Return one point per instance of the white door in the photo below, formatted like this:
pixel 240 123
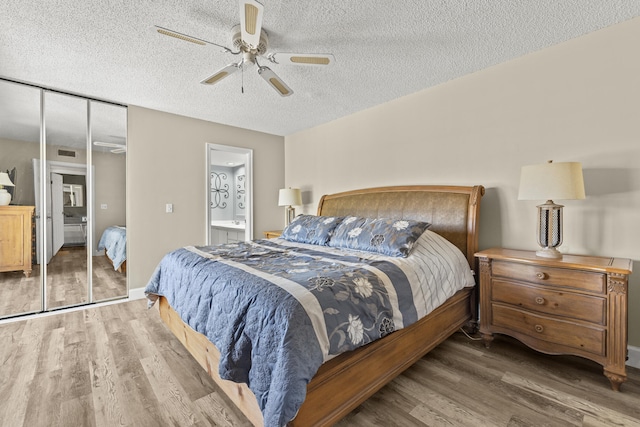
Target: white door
pixel 57 213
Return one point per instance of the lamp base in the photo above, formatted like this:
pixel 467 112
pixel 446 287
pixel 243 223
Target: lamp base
pixel 289 215
pixel 549 253
pixel 5 197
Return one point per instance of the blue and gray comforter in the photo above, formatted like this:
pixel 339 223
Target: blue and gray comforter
pixel 277 310
pixel 114 241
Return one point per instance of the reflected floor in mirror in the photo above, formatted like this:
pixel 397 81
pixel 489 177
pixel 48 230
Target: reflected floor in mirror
pixel 66 283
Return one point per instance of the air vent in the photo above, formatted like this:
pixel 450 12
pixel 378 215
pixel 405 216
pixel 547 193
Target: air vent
pixel 66 153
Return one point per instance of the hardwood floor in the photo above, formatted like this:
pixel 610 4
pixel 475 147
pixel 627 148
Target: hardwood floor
pixel 118 365
pixel 66 283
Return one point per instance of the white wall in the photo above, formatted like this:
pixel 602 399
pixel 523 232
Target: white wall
pixel 167 164
pixel 578 101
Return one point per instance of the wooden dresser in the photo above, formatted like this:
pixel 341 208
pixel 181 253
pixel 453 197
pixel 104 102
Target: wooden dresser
pixel 575 305
pixel 16 238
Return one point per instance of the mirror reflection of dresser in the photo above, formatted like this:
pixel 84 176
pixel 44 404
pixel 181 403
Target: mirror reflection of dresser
pixel 16 238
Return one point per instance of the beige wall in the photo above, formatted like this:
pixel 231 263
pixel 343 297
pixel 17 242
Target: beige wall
pixel 578 101
pixel 110 177
pixel 167 164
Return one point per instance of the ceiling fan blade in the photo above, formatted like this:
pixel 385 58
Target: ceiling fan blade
pixel 303 58
pixel 187 38
pixel 274 81
pixel 251 22
pixel 221 74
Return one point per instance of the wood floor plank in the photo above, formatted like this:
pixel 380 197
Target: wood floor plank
pixel 593 409
pixel 104 380
pixel 18 390
pixel 217 411
pixel 78 412
pixel 486 394
pixel 44 411
pixel 169 392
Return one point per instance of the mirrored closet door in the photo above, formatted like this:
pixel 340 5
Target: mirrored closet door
pixel 66 157
pixel 21 289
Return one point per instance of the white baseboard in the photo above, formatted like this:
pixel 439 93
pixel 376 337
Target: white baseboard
pixel 136 293
pixel 634 356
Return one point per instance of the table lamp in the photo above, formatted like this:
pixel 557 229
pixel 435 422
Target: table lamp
pixel 289 197
pixel 560 181
pixel 5 196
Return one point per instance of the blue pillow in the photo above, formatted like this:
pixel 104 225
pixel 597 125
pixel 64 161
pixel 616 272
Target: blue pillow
pixel 394 237
pixel 312 229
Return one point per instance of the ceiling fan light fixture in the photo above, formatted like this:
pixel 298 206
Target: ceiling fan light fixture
pixel 274 81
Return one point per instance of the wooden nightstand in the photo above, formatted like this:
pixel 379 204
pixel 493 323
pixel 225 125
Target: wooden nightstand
pixel 272 234
pixel 576 305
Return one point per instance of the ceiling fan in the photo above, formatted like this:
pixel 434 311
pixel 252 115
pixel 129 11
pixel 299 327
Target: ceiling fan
pixel 115 148
pixel 251 41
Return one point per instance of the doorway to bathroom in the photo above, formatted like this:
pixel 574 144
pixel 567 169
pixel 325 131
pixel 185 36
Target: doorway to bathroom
pixel 229 194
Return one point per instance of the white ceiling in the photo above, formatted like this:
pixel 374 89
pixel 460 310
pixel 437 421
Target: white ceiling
pixel 107 49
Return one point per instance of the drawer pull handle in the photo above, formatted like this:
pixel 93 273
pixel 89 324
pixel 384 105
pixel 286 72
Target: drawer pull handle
pixel 539 300
pixel 541 276
pixel 538 328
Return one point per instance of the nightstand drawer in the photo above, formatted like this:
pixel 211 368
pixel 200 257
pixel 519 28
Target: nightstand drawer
pixel 569 334
pixel 540 274
pixel 576 306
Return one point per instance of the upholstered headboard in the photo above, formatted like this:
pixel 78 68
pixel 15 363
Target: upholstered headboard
pixel 452 211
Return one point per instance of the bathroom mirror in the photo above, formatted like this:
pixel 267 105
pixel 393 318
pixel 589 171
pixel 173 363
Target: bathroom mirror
pixel 73 195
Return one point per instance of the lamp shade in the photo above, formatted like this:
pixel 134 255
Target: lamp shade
pixel 289 197
pixel 4 180
pixel 552 181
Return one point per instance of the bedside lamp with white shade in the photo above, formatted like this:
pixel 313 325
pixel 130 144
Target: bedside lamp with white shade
pixel 5 196
pixel 289 197
pixel 559 181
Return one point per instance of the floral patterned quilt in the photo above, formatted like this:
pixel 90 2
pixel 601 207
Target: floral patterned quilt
pixel 277 310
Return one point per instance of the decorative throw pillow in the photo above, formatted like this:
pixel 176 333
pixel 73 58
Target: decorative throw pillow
pixel 394 237
pixel 312 229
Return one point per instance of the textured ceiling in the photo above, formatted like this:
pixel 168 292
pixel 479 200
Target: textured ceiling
pixel 108 49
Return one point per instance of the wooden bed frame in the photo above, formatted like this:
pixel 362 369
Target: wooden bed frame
pixel 344 382
pixel 123 266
